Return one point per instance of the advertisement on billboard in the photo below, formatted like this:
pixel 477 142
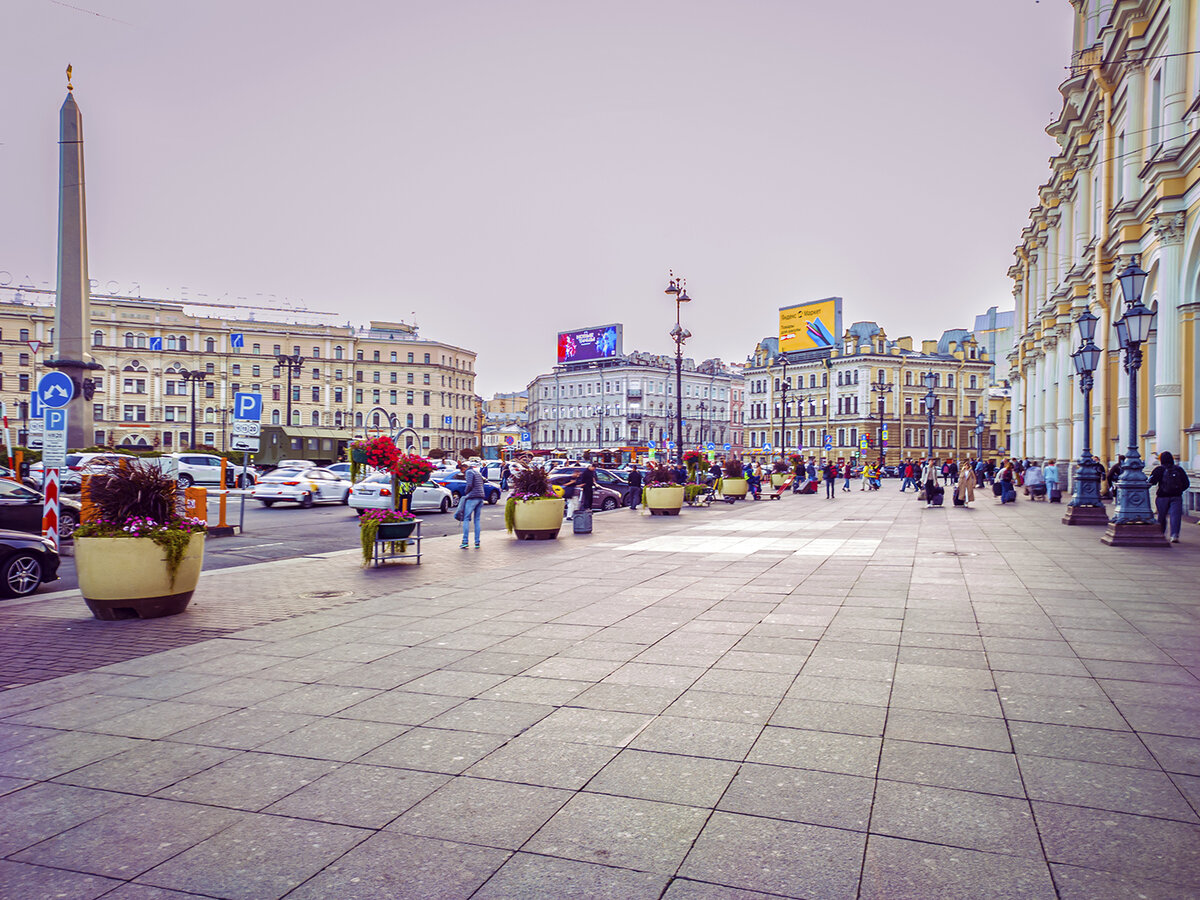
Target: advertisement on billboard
pixel 810 326
pixel 585 345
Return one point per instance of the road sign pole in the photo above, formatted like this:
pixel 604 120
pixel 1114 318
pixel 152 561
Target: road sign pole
pixel 242 511
pixel 50 505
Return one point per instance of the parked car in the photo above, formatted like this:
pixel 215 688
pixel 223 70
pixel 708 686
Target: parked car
pixel 295 464
pixel 27 561
pixel 306 486
pixel 375 492
pixel 607 478
pixel 21 510
pixel 70 477
pixel 205 468
pixel 457 485
pixel 603 497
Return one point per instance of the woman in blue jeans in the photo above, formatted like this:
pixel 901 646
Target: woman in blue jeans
pixel 472 503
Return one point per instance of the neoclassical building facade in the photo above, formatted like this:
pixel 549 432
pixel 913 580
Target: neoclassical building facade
pixel 1125 183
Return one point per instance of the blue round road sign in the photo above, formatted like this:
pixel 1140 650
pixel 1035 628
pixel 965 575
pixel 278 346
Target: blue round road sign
pixel 55 390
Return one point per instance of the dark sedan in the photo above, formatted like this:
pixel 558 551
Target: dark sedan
pixel 21 510
pixel 603 497
pixel 605 478
pixel 27 561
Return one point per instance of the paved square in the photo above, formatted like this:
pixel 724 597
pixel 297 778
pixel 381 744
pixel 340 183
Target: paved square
pixel 858 698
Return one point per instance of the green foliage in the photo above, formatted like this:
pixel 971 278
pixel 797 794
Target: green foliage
pixel 658 473
pixel 692 491
pixel 510 513
pixel 531 482
pixel 134 490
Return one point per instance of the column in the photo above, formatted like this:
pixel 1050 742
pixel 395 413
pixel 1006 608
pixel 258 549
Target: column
pixel 1016 441
pixel 1168 429
pixel 1120 427
pixel 1135 129
pixel 1066 240
pixel 1083 211
pixel 1050 416
pixel 1175 96
pixel 1053 264
pixel 1065 447
pixel 1034 409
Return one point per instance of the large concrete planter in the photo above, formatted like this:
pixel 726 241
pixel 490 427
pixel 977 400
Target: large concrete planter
pixel 664 501
pixel 778 478
pixel 537 520
pixel 735 487
pixel 124 578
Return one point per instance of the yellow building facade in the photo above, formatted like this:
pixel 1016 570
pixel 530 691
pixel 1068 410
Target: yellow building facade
pixel 352 380
pixel 1125 183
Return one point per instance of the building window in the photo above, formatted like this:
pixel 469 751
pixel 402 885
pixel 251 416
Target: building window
pixel 24 334
pixel 337 352
pixel 426 359
pixel 97 338
pixel 23 382
pixel 316 395
pixel 426 397
pixel 256 349
pixel 316 354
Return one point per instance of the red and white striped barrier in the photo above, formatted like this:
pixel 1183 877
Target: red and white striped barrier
pixel 50 506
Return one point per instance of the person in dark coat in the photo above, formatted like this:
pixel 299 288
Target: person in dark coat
pixel 1172 483
pixel 635 487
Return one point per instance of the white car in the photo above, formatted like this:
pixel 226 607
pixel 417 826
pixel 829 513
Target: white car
pixel 376 493
pixel 205 468
pixel 306 486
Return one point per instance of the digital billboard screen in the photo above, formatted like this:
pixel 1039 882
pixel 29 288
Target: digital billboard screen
pixel 587 344
pixel 810 326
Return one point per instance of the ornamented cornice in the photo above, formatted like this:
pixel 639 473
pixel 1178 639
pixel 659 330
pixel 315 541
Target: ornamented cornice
pixel 1169 227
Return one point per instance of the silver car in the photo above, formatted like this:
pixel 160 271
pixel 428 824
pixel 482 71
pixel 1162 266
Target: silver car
pixel 376 493
pixel 307 487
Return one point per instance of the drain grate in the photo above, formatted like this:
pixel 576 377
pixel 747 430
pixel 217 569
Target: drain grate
pixel 953 553
pixel 325 595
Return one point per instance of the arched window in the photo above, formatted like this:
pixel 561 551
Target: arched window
pixel 316 417
pixel 134 366
pixel 274 417
pixel 129 340
pixel 210 345
pixel 358 420
pixel 409 420
pixel 295 417
pixel 974 382
pixel 171 343
pixel 908 379
pixel 812 380
pixel 337 420
pixel 337 352
pixel 182 342
pixel 97 338
pixel 425 420
pixel 210 415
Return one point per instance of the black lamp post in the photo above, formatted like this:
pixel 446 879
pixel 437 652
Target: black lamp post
pixel 224 412
pixel 783 389
pixel 1086 507
pixel 1133 523
pixel 980 427
pixel 930 404
pixel 193 377
pixel 292 363
pixel 679 334
pixel 882 388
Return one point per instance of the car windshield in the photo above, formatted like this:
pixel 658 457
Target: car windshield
pixel 284 473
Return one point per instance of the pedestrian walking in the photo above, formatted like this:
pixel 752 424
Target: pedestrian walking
pixel 965 492
pixel 1035 481
pixel 830 472
pixel 1008 478
pixel 1172 483
pixel 504 473
pixel 587 484
pixel 929 477
pixel 635 487
pixel 471 502
pixel 847 469
pixel 754 481
pixel 1050 473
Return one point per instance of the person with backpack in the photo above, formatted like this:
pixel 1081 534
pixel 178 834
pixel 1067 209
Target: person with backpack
pixel 830 473
pixel 471 502
pixel 1172 483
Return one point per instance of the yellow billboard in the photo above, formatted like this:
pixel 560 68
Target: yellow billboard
pixel 810 326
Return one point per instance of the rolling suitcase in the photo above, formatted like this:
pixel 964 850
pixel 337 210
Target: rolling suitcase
pixel 1056 496
pixel 938 496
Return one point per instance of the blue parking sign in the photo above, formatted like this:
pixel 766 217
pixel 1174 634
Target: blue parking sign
pixel 247 406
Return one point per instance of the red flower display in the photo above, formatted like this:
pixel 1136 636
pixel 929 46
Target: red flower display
pixel 412 469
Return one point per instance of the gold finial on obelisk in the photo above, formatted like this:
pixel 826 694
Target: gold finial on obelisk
pixel 70 87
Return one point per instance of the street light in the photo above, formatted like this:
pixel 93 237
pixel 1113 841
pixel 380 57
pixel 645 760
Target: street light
pixel 292 362
pixel 194 376
pixel 224 412
pixel 1086 507
pixel 783 389
pixel 1134 521
pixel 882 388
pixel 980 427
pixel 679 334
pixel 930 403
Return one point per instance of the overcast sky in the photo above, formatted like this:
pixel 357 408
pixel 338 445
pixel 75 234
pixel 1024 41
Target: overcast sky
pixel 501 170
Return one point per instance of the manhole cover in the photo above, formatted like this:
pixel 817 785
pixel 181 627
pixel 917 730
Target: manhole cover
pixel 325 595
pixel 953 553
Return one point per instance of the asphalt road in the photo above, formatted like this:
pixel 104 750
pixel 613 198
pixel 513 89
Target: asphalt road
pixel 286 531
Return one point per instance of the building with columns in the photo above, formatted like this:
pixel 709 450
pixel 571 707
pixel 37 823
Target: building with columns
pixel 351 379
pixel 629 401
pixel 798 401
pixel 1125 183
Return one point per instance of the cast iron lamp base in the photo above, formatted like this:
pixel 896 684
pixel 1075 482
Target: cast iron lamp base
pixel 1134 534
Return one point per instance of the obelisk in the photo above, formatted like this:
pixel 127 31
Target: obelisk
pixel 72 316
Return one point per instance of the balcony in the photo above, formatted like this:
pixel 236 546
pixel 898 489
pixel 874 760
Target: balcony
pixel 633 416
pixel 634 393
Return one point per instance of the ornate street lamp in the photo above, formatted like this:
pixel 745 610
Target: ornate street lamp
pixel 1086 507
pixel 980 428
pixel 783 389
pixel 679 334
pixel 193 377
pixel 292 362
pixel 930 402
pixel 1133 522
pixel 882 388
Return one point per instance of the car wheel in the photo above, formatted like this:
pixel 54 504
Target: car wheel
pixel 493 498
pixel 21 575
pixel 455 499
pixel 267 502
pixel 609 503
pixel 346 498
pixel 67 523
pixel 306 502
pixel 186 481
pixel 360 512
pixel 446 504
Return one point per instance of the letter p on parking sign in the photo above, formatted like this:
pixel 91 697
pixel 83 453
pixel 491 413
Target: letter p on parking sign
pixel 247 406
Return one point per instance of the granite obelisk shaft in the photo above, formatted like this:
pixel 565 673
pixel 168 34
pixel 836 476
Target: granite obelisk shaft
pixel 72 316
